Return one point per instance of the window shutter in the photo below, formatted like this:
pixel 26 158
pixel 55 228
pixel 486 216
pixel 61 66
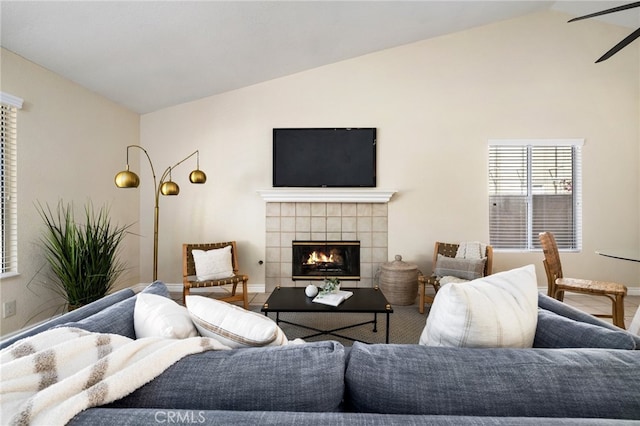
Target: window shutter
pixel 9 190
pixel 508 196
pixel 534 186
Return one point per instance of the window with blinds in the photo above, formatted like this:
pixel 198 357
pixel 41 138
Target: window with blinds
pixel 535 186
pixel 8 191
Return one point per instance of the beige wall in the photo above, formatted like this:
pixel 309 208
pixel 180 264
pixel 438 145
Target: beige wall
pixel 71 143
pixel 435 104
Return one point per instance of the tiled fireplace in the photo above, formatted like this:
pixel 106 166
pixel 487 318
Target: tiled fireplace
pixel 315 220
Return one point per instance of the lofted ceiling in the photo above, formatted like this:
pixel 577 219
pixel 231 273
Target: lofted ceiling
pixel 149 55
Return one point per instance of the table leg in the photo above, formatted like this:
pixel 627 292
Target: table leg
pixel 375 322
pixel 387 337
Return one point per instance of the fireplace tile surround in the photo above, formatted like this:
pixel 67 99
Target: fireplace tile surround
pixel 322 221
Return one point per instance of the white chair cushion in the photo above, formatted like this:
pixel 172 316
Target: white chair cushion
pixel 232 325
pixel 214 264
pixel 499 310
pixel 159 316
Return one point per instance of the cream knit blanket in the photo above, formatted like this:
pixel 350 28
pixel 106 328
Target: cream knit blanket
pixel 48 378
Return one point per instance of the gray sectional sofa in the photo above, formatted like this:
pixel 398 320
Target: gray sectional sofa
pixel 581 371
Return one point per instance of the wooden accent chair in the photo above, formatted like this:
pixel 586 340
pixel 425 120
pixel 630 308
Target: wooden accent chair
pixel 449 250
pixel 190 281
pixel 557 284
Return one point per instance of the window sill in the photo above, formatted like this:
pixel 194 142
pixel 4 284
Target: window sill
pixel 6 275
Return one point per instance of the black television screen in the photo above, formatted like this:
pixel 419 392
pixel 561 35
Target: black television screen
pixel 324 157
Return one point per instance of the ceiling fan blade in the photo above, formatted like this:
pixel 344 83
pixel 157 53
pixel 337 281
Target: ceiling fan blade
pixel 615 49
pixel 604 12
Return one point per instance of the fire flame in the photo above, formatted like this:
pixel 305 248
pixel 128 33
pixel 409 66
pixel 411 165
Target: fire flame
pixel 316 257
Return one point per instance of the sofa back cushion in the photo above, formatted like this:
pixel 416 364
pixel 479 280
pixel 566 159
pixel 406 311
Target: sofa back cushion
pixel 414 379
pixel 297 377
pixel 117 318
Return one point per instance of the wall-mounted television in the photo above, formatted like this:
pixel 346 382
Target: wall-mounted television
pixel 324 157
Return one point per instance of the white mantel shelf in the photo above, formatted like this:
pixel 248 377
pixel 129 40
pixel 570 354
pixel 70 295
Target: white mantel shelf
pixel 326 195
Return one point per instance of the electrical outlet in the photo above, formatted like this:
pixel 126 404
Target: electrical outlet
pixel 8 309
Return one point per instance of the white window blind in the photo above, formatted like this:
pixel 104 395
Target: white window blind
pixel 535 186
pixel 9 106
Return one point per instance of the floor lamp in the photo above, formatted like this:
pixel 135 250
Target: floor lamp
pixel 128 179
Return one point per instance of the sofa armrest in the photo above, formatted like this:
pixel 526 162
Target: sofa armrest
pixel 556 331
pixel 560 308
pixel 73 316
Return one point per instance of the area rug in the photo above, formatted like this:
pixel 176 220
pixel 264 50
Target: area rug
pixel 406 325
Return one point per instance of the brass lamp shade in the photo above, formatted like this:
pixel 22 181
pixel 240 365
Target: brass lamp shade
pixel 170 188
pixel 127 179
pixel 197 176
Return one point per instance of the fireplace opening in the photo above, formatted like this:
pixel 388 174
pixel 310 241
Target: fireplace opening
pixel 315 260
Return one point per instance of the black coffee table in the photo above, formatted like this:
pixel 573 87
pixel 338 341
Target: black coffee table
pixel 364 300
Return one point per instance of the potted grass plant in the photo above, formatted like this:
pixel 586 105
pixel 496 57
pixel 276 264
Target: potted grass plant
pixel 83 256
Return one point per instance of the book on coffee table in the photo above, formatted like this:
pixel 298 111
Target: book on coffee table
pixel 334 298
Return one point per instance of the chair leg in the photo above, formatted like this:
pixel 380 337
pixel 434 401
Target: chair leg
pixel 185 293
pixel 559 295
pixel 245 295
pixel 618 311
pixel 421 290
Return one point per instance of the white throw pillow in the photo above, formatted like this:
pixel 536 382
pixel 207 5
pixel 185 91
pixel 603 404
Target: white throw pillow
pixel 213 264
pixel 159 316
pixel 233 326
pixel 499 310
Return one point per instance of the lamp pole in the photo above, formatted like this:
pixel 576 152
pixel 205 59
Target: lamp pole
pixel 128 179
